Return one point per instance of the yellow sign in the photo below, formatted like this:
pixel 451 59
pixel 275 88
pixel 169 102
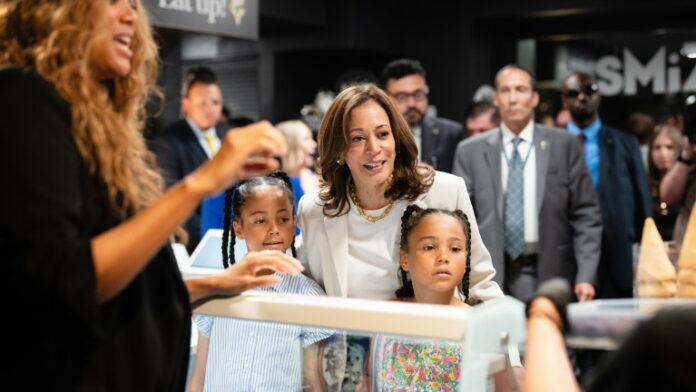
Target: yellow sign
pixel 237 10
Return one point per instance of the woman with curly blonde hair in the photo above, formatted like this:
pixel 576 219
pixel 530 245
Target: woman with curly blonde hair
pixel 92 286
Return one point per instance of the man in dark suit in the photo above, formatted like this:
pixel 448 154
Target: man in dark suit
pixel 189 142
pixel 615 166
pixel 532 195
pixel 436 137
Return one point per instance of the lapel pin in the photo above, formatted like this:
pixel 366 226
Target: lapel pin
pixel 543 144
pixel 436 131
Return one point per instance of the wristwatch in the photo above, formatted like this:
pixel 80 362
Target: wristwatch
pixel 687 162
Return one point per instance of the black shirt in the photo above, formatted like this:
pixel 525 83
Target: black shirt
pixel 59 337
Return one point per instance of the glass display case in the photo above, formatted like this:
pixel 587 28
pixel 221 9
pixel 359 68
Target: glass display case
pixel 603 324
pixel 362 345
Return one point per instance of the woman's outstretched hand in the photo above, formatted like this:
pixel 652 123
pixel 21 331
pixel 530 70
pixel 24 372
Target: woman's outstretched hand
pixel 244 152
pixel 249 273
pixel 244 275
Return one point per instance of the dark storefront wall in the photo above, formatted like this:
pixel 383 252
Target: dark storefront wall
pixel 615 41
pixel 306 45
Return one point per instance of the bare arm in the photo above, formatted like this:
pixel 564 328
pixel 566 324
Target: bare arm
pixel 546 360
pixel 673 184
pixel 242 276
pixel 122 252
pixel 198 376
pixel 310 357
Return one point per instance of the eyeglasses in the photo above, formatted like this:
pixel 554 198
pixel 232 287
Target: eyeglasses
pixel 589 91
pixel 418 95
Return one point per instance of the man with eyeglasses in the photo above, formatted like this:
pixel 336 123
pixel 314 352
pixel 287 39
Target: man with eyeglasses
pixel 614 162
pixel 436 137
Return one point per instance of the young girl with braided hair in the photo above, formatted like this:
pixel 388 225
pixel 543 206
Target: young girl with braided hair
pixel 441 237
pixel 435 259
pixel 260 211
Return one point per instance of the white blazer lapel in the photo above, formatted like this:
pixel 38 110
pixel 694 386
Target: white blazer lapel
pixel 336 266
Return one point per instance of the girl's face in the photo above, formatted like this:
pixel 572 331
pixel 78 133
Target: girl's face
pixel 115 29
pixel 267 221
pixel 436 254
pixel 662 152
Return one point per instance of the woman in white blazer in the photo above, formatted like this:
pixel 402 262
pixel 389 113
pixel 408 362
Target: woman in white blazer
pixel 370 172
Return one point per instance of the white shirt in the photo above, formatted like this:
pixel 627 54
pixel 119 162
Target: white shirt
pixel 417 131
pixel 201 134
pixel 373 265
pixel 526 146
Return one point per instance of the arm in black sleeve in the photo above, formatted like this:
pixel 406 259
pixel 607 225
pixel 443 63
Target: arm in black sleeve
pixel 639 179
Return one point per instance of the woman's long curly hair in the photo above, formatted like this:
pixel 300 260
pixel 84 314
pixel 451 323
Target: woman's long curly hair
pixel 56 39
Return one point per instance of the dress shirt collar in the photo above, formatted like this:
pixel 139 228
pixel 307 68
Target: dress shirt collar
pixel 527 134
pixel 417 129
pixel 200 133
pixel 591 132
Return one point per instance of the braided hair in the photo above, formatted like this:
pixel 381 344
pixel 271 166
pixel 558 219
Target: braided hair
pixel 411 218
pixel 235 199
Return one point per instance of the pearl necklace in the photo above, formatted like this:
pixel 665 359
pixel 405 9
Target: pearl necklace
pixel 361 210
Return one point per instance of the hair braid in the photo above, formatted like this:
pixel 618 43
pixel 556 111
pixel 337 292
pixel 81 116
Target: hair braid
pixel 407 222
pixel 467 273
pixel 226 228
pixel 233 241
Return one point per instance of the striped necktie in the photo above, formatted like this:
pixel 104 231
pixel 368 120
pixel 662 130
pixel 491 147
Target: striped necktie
pixel 514 204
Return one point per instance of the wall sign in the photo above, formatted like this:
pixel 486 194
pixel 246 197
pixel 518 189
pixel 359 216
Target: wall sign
pixel 661 72
pixel 665 70
pixel 233 18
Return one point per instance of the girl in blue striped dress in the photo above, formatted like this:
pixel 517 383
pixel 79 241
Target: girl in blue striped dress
pixel 240 355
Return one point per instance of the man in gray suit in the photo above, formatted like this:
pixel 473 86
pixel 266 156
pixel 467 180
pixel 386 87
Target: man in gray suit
pixel 537 209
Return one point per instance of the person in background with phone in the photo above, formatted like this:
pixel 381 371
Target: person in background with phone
pixel 678 186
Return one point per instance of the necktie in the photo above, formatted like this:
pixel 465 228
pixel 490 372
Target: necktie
pixel 581 137
pixel 514 204
pixel 211 142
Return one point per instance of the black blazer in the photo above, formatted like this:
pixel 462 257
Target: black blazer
pixel 178 154
pixel 625 203
pixel 439 139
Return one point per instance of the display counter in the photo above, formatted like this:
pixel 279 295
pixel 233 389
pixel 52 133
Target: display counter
pixel 374 345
